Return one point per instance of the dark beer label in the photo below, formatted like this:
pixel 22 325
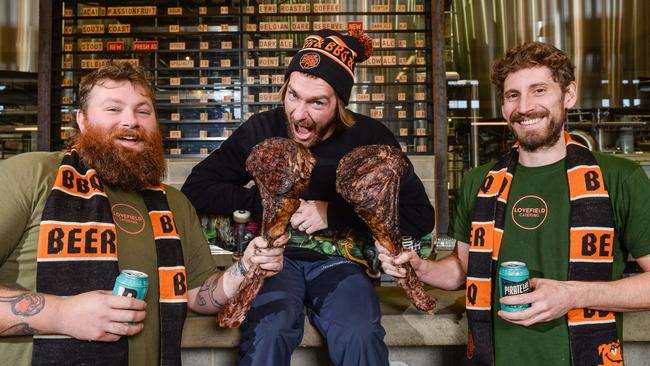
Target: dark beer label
pixel 515 288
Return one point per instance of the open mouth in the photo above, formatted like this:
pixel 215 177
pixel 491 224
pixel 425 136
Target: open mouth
pixel 128 140
pixel 529 122
pixel 302 132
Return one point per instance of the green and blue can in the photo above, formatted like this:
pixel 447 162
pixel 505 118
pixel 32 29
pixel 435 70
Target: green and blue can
pixel 513 280
pixel 131 283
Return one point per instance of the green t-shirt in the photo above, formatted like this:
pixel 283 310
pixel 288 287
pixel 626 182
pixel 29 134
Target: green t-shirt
pixel 25 183
pixel 536 232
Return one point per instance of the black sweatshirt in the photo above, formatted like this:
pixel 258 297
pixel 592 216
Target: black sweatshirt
pixel 216 184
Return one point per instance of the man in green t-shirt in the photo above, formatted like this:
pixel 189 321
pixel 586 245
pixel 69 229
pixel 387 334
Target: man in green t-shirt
pixel 571 215
pixel 66 215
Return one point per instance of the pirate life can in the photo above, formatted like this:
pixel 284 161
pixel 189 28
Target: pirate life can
pixel 131 283
pixel 513 280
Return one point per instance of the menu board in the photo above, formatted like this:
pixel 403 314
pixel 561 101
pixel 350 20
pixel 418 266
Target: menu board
pixel 215 65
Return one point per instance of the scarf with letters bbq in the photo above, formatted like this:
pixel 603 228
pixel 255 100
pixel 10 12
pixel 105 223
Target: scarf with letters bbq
pixel 77 252
pixel 591 240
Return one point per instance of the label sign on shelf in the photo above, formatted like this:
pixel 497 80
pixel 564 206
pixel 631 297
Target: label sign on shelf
pixel 115 46
pixel 327 8
pixel 175 11
pixel 119 28
pixel 144 45
pixel 176 45
pixel 181 63
pixel 91 46
pixel 355 26
pixel 95 63
pixel 363 97
pixel 92 29
pixel 268 8
pixel 377 113
pixel 88 12
pixel 295 8
pixel 379 8
pixel 124 11
pixel 378 97
pixel 286 43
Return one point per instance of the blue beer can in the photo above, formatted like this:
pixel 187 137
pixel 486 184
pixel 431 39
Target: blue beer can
pixel 131 283
pixel 513 280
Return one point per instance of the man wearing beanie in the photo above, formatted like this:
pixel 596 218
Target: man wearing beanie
pixel 331 283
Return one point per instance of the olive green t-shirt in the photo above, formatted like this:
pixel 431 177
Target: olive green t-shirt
pixel 25 183
pixel 536 232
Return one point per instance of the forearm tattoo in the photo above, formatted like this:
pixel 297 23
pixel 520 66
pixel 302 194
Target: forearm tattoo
pixel 233 270
pixel 208 293
pixel 23 305
pixel 237 269
pixel 242 268
pixel 26 304
pixel 19 329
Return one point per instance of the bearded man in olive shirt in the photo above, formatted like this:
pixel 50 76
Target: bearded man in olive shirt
pixel 66 216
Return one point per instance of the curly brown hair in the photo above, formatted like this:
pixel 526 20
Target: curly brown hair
pixel 533 54
pixel 116 71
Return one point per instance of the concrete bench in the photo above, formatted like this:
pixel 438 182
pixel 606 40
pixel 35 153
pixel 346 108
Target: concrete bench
pixel 413 338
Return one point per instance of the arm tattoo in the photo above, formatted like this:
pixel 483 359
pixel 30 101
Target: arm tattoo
pixel 237 269
pixel 19 329
pixel 234 270
pixel 242 268
pixel 26 304
pixel 208 290
pixel 23 305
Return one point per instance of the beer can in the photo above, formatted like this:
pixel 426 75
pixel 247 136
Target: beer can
pixel 131 283
pixel 513 280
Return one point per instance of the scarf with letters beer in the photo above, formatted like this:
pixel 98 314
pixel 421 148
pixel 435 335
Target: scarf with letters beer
pixel 77 252
pixel 591 241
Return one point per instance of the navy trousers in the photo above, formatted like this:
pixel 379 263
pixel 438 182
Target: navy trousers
pixel 341 303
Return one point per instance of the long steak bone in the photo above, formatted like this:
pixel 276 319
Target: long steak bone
pixel 368 177
pixel 281 169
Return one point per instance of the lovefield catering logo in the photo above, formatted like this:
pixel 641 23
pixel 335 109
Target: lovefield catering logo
pixel 529 212
pixel 128 218
pixel 309 60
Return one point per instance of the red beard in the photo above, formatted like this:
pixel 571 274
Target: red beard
pixel 121 167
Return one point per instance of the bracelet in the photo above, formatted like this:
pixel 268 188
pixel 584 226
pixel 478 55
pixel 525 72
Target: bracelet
pixel 242 268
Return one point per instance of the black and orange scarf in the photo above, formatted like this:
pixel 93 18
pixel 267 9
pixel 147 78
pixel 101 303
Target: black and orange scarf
pixel 78 252
pixel 591 255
